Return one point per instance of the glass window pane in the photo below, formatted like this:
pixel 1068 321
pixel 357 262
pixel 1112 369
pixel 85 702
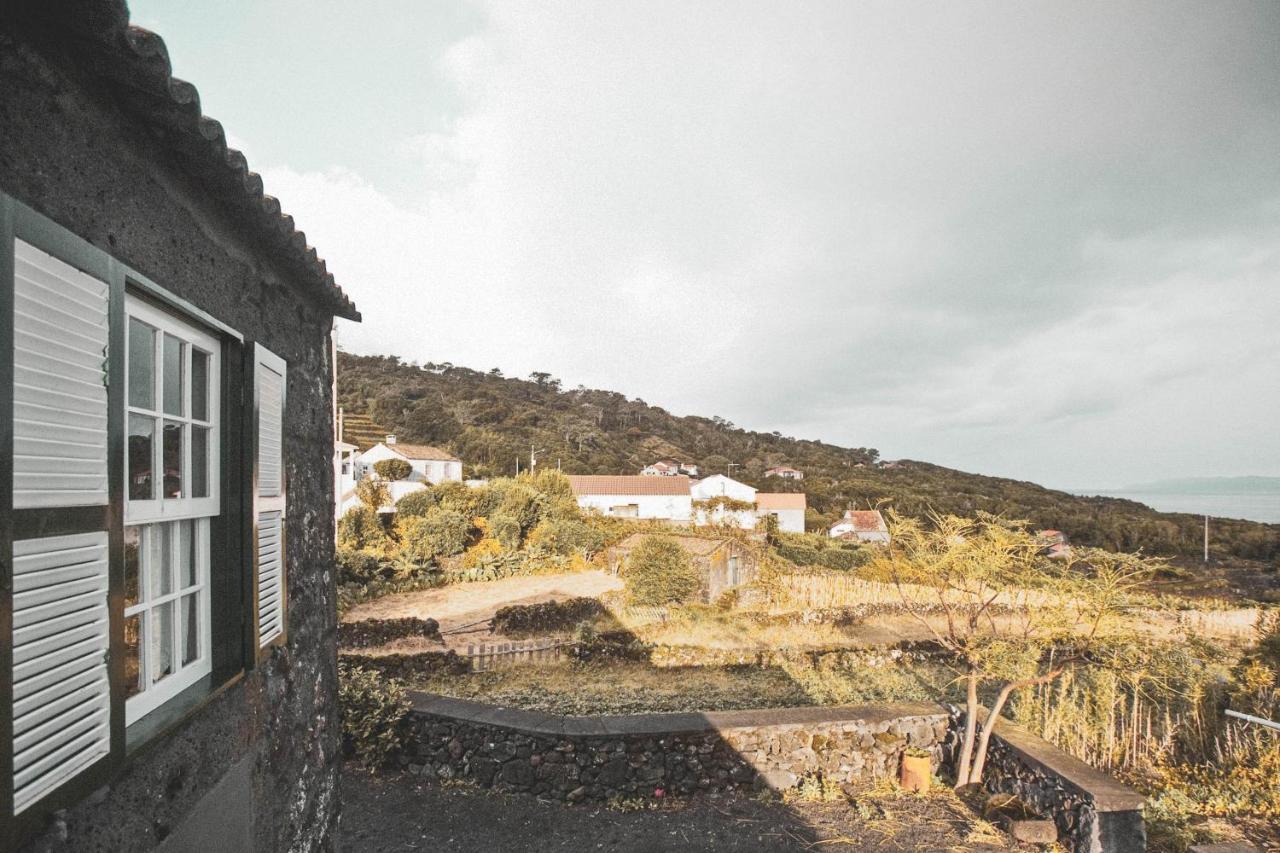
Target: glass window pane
pixel 172 375
pixel 187 553
pixel 199 462
pixel 162 641
pixel 172 459
pixel 142 368
pixel 199 385
pixel 134 683
pixel 160 564
pixel 190 628
pixel 141 443
pixel 132 565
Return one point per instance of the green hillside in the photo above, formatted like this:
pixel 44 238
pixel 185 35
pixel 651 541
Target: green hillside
pixel 489 420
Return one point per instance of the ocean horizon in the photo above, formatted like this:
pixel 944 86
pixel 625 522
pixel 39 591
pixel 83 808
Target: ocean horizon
pixel 1250 507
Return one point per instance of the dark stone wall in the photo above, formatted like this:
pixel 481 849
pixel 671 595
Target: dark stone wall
pixel 68 152
pixel 575 759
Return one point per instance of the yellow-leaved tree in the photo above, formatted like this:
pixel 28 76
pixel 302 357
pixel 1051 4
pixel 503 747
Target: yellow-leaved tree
pixel 988 594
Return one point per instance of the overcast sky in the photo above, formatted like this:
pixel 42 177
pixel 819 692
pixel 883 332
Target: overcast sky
pixel 1040 240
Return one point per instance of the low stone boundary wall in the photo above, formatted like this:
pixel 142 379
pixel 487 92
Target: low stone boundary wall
pixel 408 665
pixel 1093 812
pixel 376 632
pixel 599 758
pixel 871 656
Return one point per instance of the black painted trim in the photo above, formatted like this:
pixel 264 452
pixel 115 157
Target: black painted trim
pixel 8 830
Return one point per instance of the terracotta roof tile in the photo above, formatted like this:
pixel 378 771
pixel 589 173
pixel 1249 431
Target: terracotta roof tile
pixel 622 484
pixel 422 452
pixel 134 64
pixel 780 500
pixel 866 520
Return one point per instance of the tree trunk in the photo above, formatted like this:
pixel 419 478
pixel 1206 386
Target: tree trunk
pixel 970 729
pixel 993 716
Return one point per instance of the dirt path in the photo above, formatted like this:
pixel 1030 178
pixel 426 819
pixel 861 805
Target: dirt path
pixel 401 813
pixel 459 604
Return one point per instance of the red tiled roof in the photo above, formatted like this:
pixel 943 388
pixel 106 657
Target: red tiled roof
pixel 780 500
pixel 622 484
pixel 866 520
pixel 422 452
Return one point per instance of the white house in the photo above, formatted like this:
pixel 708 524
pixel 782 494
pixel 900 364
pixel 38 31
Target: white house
pixel 346 462
pixel 637 496
pixel 786 472
pixel 661 468
pixel 720 486
pixel 787 508
pixel 863 525
pixel 429 464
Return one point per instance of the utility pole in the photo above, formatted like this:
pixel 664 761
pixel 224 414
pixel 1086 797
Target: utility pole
pixel 1206 540
pixel 533 458
pixel 728 469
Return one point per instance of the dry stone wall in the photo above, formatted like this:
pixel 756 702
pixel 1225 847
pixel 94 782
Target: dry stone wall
pixel 601 758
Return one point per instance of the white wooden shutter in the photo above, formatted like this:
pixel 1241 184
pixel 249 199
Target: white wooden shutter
pixel 59 383
pixel 61 691
pixel 270 378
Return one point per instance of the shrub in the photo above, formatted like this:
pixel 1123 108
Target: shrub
pixel 506 529
pixel 373 710
pixel 566 535
pixel 356 566
pixel 438 533
pixel 658 572
pixel 374 494
pixel 416 504
pixel 393 469
pixel 378 632
pixel 547 616
pixel 831 558
pixel 361 529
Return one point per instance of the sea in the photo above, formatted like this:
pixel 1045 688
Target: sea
pixel 1253 507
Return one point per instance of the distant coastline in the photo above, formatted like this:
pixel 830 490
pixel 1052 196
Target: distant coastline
pixel 1250 498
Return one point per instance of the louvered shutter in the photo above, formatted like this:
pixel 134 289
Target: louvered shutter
pixel 61 690
pixel 59 678
pixel 59 383
pixel 270 375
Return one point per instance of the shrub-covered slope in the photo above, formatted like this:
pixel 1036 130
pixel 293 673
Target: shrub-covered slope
pixel 489 420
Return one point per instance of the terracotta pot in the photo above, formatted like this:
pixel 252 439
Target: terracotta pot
pixel 916 773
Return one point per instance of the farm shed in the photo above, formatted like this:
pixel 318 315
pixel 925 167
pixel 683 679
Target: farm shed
pixel 168 675
pixel 721 563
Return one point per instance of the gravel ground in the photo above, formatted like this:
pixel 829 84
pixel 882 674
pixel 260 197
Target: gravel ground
pixel 390 814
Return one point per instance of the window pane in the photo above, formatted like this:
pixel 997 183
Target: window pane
pixel 134 683
pixel 172 375
pixel 186 553
pixel 199 385
pixel 199 462
pixel 142 368
pixel 190 628
pixel 162 641
pixel 172 459
pixel 132 565
pixel 141 442
pixel 160 565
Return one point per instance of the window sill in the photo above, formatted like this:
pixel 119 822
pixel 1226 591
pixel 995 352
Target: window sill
pixel 172 714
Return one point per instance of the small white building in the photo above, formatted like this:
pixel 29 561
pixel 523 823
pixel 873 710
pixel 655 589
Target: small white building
pixel 862 525
pixel 429 464
pixel 720 486
pixel 788 508
pixel 786 472
pixel 346 461
pixel 637 496
pixel 661 468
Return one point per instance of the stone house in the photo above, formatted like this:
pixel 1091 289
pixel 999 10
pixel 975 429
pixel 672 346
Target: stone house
pixel 167 675
pixel 721 563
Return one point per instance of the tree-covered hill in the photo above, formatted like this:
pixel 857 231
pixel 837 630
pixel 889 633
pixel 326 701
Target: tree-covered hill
pixel 489 421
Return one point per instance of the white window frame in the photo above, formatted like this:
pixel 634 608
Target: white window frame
pixel 162 508
pixel 151 515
